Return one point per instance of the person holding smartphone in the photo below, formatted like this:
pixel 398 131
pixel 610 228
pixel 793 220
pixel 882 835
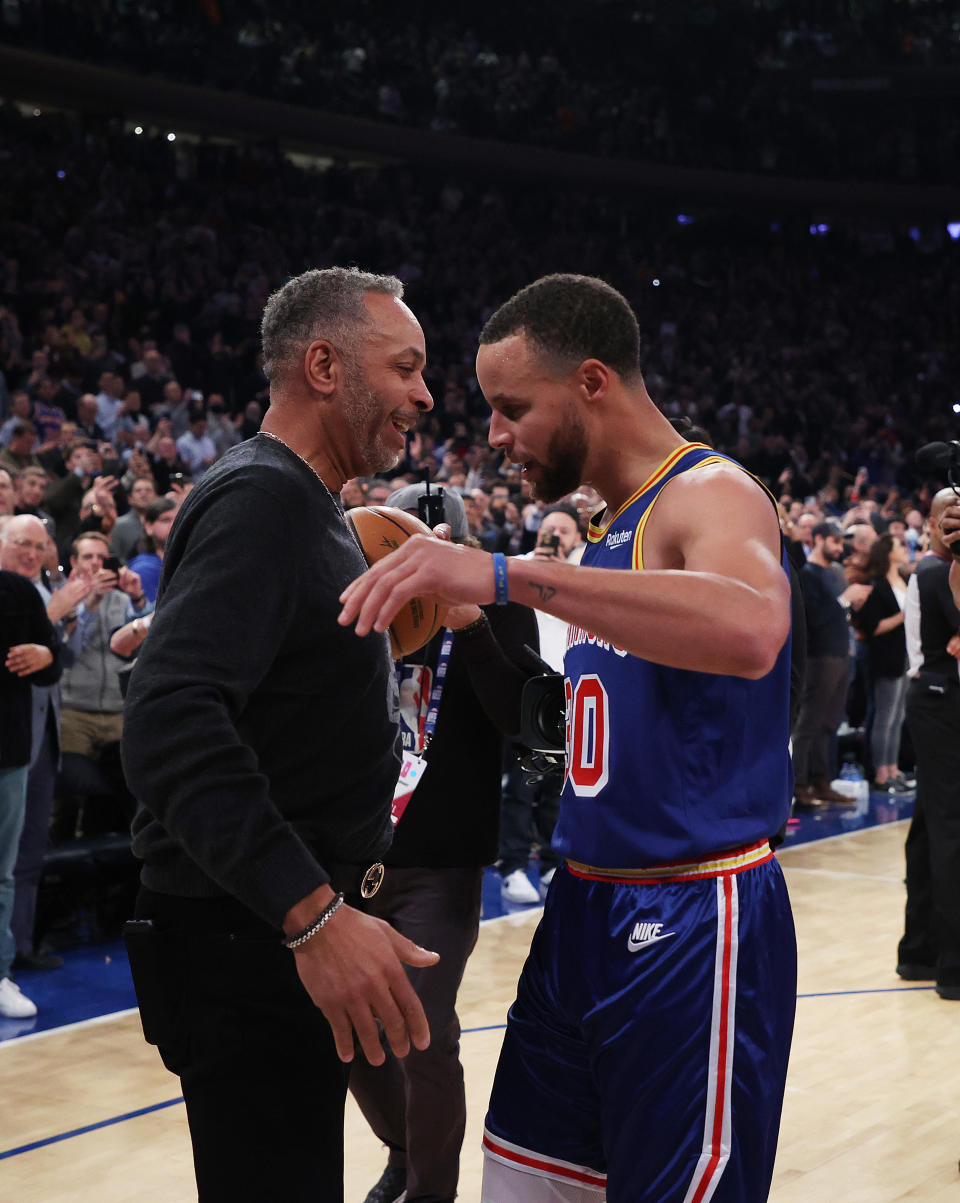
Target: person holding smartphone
pixel 92 713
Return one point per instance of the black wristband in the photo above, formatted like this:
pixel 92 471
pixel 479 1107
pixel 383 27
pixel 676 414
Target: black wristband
pixel 475 627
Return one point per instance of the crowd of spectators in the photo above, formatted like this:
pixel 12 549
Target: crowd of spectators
pixel 136 271
pixel 711 85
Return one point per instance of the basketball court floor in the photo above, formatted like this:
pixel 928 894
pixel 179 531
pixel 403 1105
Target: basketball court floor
pixel 870 1116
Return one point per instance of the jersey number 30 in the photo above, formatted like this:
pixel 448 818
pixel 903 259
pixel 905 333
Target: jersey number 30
pixel 588 735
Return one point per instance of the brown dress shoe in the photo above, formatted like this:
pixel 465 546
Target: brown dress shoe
pixel 826 793
pixel 805 798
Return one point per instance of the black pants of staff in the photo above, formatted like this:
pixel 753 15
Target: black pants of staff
pixel 932 922
pixel 261 1079
pixel 417 1106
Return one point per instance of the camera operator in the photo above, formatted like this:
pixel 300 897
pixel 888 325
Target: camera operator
pixel 930 947
pixel 460 695
pixel 529 810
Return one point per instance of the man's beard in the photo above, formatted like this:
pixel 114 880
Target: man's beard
pixel 363 412
pixel 562 471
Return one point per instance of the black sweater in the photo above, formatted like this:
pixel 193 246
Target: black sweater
pixel 23 619
pixel 260 736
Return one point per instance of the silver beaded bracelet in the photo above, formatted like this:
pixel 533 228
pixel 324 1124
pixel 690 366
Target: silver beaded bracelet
pixel 324 917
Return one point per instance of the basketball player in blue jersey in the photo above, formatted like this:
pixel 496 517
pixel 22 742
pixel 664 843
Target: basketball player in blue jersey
pixel 646 1053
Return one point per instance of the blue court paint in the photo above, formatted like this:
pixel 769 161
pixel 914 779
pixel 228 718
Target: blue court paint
pixel 95 979
pixel 881 809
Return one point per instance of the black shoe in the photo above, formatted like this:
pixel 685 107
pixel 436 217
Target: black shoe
pixel 951 992
pixel 392 1184
pixel 37 960
pixel 916 973
pixel 902 785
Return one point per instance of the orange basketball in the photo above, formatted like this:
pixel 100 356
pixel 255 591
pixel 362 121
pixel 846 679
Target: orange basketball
pixel 380 529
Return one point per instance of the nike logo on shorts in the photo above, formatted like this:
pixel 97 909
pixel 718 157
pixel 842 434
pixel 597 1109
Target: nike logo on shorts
pixel 644 934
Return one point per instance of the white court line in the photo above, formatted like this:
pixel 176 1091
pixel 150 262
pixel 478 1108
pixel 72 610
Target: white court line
pixel 18 1041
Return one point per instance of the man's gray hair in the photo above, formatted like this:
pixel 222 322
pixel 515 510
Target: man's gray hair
pixel 322 303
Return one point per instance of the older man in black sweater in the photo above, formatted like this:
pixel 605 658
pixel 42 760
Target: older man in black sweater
pixel 261 742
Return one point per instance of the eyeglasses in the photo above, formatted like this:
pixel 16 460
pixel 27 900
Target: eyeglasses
pixel 25 543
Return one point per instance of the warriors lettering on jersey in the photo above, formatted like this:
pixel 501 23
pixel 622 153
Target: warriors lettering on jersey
pixel 577 635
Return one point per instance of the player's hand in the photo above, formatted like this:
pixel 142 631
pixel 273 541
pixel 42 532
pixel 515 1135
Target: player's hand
pixel 26 658
pixel 421 567
pixel 353 970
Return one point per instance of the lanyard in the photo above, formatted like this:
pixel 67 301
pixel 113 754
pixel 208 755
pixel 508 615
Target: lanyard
pixel 436 692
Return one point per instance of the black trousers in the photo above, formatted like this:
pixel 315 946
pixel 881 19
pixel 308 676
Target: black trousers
pixel 417 1106
pixel 527 813
pixel 263 1085
pixel 932 920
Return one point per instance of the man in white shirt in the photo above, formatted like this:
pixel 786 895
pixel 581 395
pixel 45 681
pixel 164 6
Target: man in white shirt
pixel 197 449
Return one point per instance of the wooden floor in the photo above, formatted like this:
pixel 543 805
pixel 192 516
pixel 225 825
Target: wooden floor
pixel 871 1113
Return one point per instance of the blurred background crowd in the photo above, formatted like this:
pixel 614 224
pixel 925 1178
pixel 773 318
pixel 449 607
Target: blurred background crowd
pixel 818 348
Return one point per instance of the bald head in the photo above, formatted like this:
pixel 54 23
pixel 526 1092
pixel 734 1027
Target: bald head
pixel 23 546
pixel 863 534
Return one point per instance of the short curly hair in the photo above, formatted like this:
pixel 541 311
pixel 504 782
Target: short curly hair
pixel 321 303
pixel 571 318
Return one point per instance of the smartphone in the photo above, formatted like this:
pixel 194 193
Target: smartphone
pixel 551 543
pixel 112 564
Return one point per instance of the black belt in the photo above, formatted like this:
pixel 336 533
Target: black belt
pixel 934 682
pixel 357 878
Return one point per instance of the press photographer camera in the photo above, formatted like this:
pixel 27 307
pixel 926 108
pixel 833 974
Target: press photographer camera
pixel 543 720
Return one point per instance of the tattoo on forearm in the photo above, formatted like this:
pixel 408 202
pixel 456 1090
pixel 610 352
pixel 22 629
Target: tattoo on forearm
pixel 545 591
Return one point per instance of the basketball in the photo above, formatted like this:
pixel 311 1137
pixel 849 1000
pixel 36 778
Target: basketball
pixel 380 529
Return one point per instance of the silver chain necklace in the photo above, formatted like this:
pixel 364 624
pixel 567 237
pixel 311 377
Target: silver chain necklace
pixel 267 434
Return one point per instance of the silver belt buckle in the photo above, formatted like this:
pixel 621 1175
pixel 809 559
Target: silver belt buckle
pixel 372 880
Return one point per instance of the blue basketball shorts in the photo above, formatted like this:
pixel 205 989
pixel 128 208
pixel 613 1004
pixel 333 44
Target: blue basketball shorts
pixel 646 1054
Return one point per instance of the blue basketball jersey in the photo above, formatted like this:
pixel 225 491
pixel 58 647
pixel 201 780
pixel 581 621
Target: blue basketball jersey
pixel 666 764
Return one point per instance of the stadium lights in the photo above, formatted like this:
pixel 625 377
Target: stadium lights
pixel 655 282
pixel 171 137
pixel 138 129
pixel 956 407
pixel 684 219
pixel 820 228
pixel 61 174
pixel 953 229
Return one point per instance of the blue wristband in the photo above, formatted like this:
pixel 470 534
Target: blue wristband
pixel 500 578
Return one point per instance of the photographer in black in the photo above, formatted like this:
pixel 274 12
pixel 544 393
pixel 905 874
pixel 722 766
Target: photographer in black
pixel 459 697
pixel 930 947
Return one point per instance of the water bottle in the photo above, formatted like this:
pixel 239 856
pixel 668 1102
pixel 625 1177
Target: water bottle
pixel 846 783
pixel 861 787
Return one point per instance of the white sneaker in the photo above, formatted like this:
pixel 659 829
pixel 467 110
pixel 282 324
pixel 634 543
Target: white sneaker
pixel 14 1004
pixel 545 879
pixel 517 887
